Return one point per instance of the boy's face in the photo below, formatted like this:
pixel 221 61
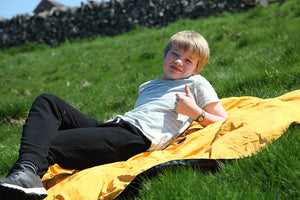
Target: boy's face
pixel 179 64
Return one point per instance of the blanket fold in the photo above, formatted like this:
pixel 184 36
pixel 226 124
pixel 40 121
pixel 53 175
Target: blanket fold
pixel 251 124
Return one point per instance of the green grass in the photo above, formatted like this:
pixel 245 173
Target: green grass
pixel 252 54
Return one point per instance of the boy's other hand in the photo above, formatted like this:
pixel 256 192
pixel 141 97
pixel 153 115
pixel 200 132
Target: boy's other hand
pixel 186 105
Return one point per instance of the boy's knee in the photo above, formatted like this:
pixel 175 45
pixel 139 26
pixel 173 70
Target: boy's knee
pixel 45 97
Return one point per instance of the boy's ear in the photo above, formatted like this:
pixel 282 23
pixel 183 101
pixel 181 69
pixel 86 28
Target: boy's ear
pixel 196 71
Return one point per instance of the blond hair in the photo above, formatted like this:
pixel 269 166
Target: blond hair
pixel 190 41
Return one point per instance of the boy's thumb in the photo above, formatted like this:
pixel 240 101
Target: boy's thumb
pixel 187 90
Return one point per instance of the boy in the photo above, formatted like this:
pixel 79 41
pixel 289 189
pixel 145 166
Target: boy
pixel 55 132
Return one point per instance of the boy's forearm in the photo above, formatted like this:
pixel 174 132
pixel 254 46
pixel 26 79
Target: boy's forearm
pixel 214 112
pixel 210 119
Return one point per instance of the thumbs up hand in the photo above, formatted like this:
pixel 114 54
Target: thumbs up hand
pixel 186 105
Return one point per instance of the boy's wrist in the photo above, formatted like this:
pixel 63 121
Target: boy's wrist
pixel 201 117
pixel 197 112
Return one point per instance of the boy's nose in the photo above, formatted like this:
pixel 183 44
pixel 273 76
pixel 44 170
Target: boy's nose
pixel 178 62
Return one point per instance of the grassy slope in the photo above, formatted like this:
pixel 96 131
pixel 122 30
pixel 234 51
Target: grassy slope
pixel 254 53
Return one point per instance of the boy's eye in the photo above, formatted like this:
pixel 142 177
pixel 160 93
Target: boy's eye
pixel 189 61
pixel 174 53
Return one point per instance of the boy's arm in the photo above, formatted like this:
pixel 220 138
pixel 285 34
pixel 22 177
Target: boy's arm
pixel 186 105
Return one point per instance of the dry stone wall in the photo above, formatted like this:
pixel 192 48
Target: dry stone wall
pixel 108 19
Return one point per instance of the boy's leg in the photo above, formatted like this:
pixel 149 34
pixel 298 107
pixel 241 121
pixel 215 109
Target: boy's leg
pixel 88 147
pixel 47 116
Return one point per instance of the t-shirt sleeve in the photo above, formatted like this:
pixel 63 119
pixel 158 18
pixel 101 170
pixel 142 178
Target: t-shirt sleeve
pixel 204 92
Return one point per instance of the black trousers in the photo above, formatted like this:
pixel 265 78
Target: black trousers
pixel 55 132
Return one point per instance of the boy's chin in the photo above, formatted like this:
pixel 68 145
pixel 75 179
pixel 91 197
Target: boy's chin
pixel 175 77
pixel 171 75
pixel 167 77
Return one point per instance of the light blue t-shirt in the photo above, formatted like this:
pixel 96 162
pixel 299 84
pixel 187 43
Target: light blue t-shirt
pixel 154 112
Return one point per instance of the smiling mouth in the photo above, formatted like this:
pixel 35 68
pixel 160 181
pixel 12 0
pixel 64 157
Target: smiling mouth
pixel 175 69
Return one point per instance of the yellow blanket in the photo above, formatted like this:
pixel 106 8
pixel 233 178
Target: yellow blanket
pixel 252 123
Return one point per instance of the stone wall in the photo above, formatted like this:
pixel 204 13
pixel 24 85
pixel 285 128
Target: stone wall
pixel 108 19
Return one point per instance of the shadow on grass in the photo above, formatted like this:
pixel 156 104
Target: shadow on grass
pixel 208 165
